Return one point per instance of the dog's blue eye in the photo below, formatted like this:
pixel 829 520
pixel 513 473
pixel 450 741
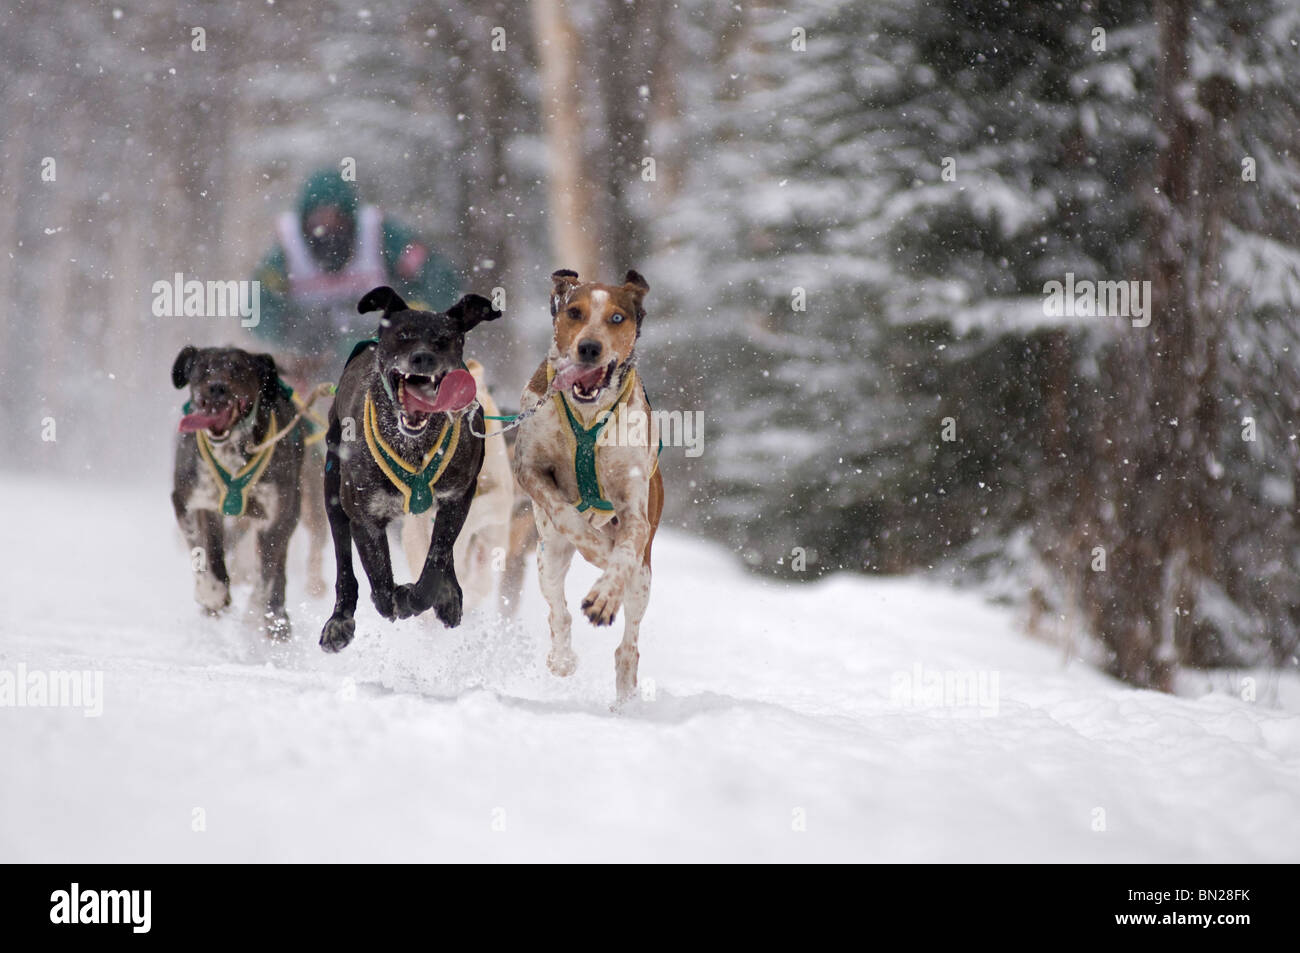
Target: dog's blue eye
pixel 616 318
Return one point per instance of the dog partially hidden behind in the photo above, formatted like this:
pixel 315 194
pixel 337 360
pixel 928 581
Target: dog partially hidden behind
pixel 400 443
pixel 480 549
pixel 231 469
pixel 591 494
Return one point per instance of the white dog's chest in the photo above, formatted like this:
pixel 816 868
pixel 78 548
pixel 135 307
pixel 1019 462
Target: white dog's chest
pixel 550 446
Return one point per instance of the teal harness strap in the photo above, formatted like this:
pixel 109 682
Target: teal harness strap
pixel 419 483
pixel 358 348
pixel 415 481
pixel 584 452
pixel 235 486
pixel 233 503
pixel 584 462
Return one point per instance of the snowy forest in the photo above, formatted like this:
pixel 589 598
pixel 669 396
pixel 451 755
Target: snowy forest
pixel 849 215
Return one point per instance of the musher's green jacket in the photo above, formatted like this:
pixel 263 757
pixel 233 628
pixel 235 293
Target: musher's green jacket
pixel 298 319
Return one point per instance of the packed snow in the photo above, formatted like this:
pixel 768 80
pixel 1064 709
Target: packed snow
pixel 778 723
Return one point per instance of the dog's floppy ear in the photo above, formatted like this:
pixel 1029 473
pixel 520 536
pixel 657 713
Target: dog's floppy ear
pixel 269 377
pixel 637 287
pixel 181 367
pixel 472 309
pixel 562 282
pixel 382 298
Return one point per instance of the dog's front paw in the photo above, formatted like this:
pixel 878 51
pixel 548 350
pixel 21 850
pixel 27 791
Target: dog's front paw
pixel 383 603
pixel 601 604
pixel 448 601
pixel 407 601
pixel 338 632
pixel 562 662
pixel 211 593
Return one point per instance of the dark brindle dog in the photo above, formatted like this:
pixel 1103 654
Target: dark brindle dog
pixel 400 442
pixel 226 466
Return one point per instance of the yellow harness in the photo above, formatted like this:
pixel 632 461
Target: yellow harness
pixel 235 499
pixel 415 483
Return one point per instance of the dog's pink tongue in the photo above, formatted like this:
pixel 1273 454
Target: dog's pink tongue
pixel 588 377
pixel 201 421
pixel 456 391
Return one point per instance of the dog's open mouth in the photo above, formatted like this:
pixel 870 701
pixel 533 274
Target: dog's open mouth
pixel 420 397
pixel 584 384
pixel 217 421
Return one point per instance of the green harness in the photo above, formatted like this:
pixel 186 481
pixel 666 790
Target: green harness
pixel 235 486
pixel 234 499
pixel 414 482
pixel 590 494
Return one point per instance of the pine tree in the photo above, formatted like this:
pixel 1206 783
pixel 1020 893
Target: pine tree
pixel 919 171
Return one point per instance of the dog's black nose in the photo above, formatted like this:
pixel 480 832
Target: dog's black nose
pixel 589 351
pixel 216 389
pixel 422 362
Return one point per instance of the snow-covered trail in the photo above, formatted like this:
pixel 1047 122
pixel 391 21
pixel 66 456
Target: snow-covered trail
pixel 775 708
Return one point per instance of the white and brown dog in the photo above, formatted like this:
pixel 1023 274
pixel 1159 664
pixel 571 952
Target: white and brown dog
pixel 588 456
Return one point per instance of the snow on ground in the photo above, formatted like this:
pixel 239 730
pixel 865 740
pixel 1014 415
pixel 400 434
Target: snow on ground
pixel 779 728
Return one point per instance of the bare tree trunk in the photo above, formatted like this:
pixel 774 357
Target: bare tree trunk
pixel 20 179
pixel 575 237
pixel 626 137
pixel 666 110
pixel 1155 500
pixel 60 322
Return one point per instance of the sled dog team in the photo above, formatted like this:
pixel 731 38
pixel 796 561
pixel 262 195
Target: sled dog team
pixel 408 441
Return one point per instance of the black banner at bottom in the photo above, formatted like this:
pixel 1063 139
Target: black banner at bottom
pixel 143 903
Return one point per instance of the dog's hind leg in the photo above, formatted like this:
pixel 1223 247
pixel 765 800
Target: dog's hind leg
pixel 315 519
pixel 341 626
pixel 239 547
pixel 554 554
pixel 474 558
pixel 522 541
pixel 416 533
pixel 273 555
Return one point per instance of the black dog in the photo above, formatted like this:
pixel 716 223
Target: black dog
pixel 236 404
pixel 399 442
